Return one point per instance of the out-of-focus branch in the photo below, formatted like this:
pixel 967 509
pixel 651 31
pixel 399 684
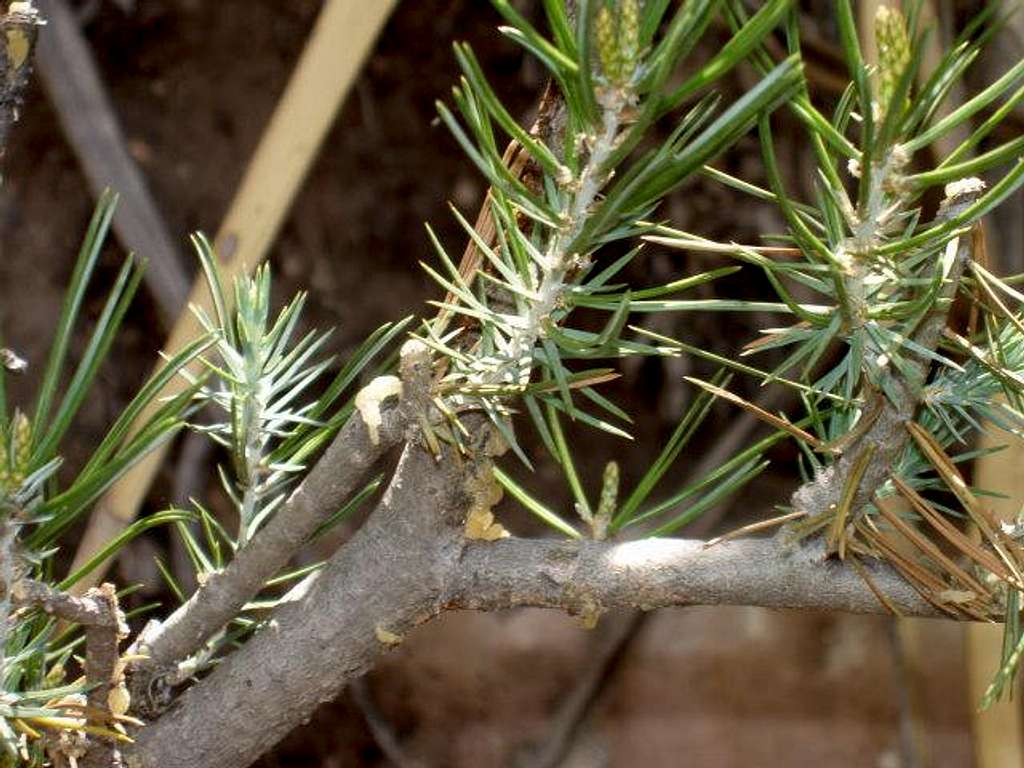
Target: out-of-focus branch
pixel 19 28
pixel 88 118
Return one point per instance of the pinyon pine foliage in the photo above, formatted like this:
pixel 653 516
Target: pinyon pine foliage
pixel 532 315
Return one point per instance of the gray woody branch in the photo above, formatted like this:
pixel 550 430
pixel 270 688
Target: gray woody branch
pixel 410 562
pixel 887 434
pixel 352 453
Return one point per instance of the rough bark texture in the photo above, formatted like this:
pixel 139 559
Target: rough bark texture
pixel 86 610
pixel 410 562
pixel 102 654
pixel 321 493
pixel 887 435
pixel 655 573
pixel 389 578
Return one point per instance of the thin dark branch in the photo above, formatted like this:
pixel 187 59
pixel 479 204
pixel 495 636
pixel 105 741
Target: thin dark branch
pixel 616 635
pixel 87 610
pixel 75 86
pixel 102 657
pixel 382 731
pixel 19 30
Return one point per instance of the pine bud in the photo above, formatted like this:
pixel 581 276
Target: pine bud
pixel 22 429
pixel 893 52
pixel 607 41
pixel 15 453
pixel 617 37
pixel 629 38
pixel 609 501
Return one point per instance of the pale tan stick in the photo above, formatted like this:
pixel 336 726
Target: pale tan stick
pixel 344 34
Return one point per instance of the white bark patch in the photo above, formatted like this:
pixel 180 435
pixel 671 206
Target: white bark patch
pixel 369 399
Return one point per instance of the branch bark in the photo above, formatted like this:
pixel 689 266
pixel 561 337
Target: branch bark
pixel 347 460
pixel 410 562
pixel 390 577
pixel 656 573
pixel 105 627
pixel 87 611
pixel 887 434
pixel 102 658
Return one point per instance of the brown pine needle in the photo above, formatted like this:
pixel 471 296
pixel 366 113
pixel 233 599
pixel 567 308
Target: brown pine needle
pixel 694 243
pixel 836 539
pixel 866 577
pixel 955 482
pixel 950 532
pixel 776 421
pixel 753 528
pixel 923 582
pixel 928 547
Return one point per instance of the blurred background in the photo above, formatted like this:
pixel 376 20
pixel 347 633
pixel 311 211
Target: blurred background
pixel 192 86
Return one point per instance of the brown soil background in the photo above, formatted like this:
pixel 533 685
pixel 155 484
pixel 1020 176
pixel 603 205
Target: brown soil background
pixel 194 83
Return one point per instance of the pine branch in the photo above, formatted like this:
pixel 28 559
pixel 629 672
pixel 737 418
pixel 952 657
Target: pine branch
pixel 887 436
pixel 224 593
pixel 410 562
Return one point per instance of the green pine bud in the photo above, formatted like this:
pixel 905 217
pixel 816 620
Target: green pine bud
pixel 629 38
pixel 22 429
pixel 893 43
pixel 609 501
pixel 606 38
pixel 617 38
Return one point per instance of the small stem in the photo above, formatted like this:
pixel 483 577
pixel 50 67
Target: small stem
pixel 7 575
pixel 888 433
pixel 558 260
pixel 253 409
pixel 18 33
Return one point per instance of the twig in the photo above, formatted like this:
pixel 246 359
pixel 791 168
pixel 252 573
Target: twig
pixel 355 449
pixel 105 627
pixel 88 611
pixel 102 658
pixel 616 637
pixel 75 87
pixel 380 728
pixel 887 435
pixel 224 593
pixel 18 33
